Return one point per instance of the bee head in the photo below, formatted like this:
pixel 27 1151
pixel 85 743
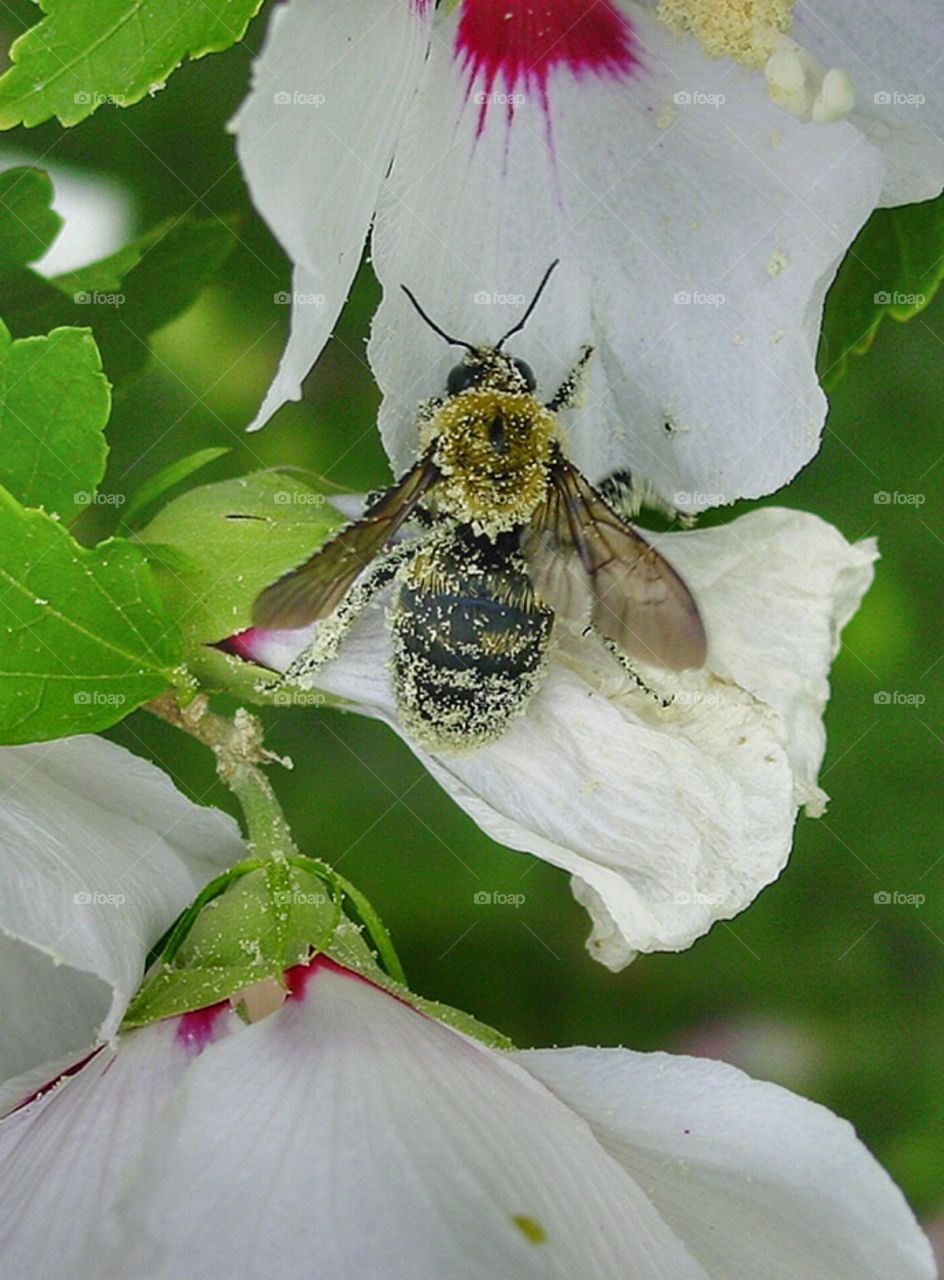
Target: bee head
pixel 487 367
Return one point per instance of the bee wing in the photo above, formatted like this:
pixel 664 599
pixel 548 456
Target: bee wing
pixel 317 587
pixel 638 600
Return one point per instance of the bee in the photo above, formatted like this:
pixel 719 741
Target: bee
pixel 493 497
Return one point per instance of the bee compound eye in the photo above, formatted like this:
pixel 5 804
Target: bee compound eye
pixel 461 377
pixel 527 373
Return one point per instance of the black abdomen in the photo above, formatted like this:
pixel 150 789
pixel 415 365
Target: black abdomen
pixel 469 640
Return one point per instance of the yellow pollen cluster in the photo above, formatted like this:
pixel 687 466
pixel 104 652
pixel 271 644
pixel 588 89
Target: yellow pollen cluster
pixel 745 30
pixel 493 449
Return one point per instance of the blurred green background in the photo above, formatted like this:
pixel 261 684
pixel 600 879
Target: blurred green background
pixel 817 986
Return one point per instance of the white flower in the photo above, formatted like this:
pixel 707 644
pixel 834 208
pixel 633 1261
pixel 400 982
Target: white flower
pixel 347 1134
pixel 98 852
pixel 698 210
pixel 669 818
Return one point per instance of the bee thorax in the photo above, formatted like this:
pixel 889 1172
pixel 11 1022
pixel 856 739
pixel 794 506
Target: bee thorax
pixel 492 449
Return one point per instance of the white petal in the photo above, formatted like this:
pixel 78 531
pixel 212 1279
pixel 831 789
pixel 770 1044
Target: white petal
pixel 755 1180
pixel 644 201
pixel 669 818
pixel 315 138
pixel 100 852
pixel 348 1135
pixel 66 1155
pixel 777 587
pixel 892 54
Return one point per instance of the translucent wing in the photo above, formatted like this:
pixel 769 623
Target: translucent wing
pixel 317 587
pixel 638 600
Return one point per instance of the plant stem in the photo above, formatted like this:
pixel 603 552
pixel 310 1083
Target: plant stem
pixel 237 745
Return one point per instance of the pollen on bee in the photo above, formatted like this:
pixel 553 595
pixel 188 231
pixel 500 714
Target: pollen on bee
pixel 492 449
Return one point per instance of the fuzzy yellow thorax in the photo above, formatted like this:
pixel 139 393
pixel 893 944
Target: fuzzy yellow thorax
pixel 493 449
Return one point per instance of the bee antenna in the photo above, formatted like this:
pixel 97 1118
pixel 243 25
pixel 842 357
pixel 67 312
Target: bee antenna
pixel 453 342
pixel 531 305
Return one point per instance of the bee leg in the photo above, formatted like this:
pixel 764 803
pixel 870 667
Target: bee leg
pixel 631 671
pixel 627 494
pixel 332 631
pixel 570 392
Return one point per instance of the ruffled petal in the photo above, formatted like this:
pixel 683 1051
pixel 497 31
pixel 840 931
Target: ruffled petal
pixel 349 1135
pixel 315 138
pixel 755 1180
pixel 100 852
pixel 670 817
pixel 892 55
pixel 697 225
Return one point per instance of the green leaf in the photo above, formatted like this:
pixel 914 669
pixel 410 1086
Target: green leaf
pixel 127 296
pixel 894 268
pixel 28 223
pixel 216 547
pixel 85 54
pixel 169 476
pixel 54 404
pixel 83 637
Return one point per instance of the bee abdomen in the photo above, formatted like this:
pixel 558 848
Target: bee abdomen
pixel 469 644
